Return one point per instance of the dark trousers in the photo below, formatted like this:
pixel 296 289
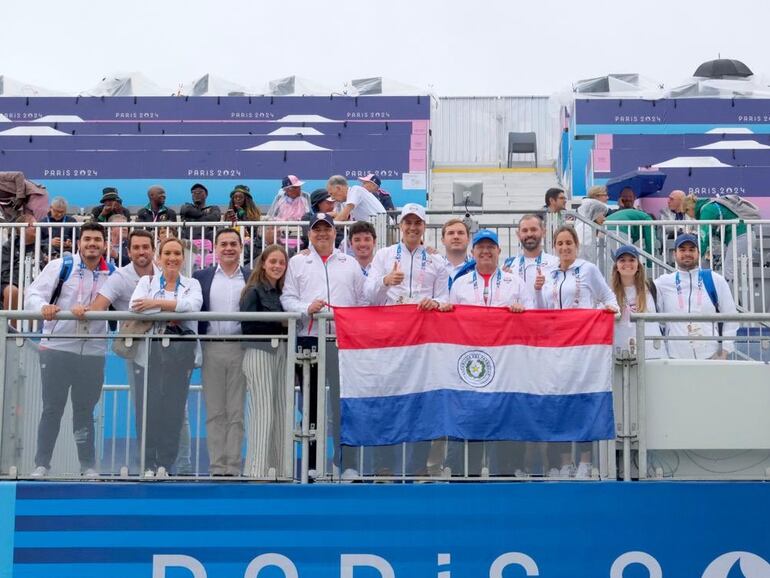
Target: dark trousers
pixel 60 372
pixel 168 382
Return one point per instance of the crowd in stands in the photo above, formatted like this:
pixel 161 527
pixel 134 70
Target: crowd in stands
pixel 308 278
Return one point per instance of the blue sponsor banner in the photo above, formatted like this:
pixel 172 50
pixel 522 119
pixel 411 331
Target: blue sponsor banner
pixel 725 111
pixel 207 108
pixel 88 143
pixel 552 530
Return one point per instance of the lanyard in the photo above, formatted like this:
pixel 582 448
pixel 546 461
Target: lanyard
pixel 365 271
pixel 163 286
pixel 680 294
pixel 94 284
pixel 577 286
pixel 487 288
pixel 523 268
pixel 423 266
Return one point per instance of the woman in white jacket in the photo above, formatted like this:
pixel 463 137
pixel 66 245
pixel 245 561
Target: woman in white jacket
pixel 634 295
pixel 169 363
pixel 574 284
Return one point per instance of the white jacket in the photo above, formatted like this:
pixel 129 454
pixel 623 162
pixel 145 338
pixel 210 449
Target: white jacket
pixel 189 299
pixel 625 329
pixel 504 289
pixel 526 269
pixel 425 275
pixel 339 282
pixel 694 299
pixel 581 286
pixel 80 288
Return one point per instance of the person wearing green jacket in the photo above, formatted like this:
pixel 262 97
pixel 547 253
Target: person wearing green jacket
pixel 710 210
pixel 635 232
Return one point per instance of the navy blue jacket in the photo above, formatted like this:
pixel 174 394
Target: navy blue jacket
pixel 206 277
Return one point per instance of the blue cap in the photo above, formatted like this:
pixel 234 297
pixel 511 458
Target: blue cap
pixel 485 234
pixel 321 217
pixel 686 238
pixel 625 250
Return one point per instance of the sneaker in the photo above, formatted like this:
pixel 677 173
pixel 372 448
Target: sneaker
pixel 567 471
pixel 519 473
pixel 161 473
pixel 39 472
pixel 553 473
pixel 149 473
pixel 349 475
pixel 90 473
pixel 583 471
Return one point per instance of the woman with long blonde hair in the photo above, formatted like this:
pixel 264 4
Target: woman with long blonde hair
pixel 634 295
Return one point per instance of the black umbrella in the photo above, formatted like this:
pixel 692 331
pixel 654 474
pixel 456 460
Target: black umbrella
pixel 723 67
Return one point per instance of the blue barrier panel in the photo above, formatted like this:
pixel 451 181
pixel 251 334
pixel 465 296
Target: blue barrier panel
pixel 552 530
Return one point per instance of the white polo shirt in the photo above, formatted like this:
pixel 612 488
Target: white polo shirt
pixel 120 286
pixel 366 204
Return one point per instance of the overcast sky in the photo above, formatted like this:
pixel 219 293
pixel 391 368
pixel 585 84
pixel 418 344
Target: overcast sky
pixel 454 47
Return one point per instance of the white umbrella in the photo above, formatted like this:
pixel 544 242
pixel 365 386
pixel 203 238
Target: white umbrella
pixel 286 145
pixel 383 85
pixel 733 145
pixel 690 162
pixel 12 87
pixel 297 86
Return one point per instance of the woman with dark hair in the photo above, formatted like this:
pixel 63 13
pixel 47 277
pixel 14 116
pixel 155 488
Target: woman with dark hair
pixel 243 208
pixel 171 361
pixel 574 284
pixel 635 295
pixel 264 365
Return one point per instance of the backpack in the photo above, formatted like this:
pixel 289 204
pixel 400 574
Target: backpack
pixel 746 210
pixel 711 291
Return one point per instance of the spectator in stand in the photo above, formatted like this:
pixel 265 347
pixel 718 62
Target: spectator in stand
pixel 598 193
pixel 406 272
pixel 243 208
pixel 735 238
pixel 373 184
pixel 224 384
pixel 676 211
pixel 594 211
pixel 118 242
pixel 156 211
pixel 111 204
pixel 358 204
pixel 532 259
pixel 70 363
pixel 199 212
pixel 61 238
pixel 290 204
pixel 169 381
pixel 556 203
pixel 691 289
pixel 322 278
pixel 635 294
pixel 627 212
pixel 455 236
pixel 265 366
pixel 574 284
pixel 14 256
pixel 363 240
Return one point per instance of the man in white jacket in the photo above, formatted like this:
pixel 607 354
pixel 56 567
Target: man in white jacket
pixel 71 364
pixel 533 260
pixel 406 272
pixel 691 289
pixel 318 279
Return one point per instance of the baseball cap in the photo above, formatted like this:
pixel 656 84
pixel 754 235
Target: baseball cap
pixel 686 238
pixel 291 181
pixel 371 178
pixel 414 209
pixel 199 186
pixel 485 234
pixel 625 250
pixel 318 217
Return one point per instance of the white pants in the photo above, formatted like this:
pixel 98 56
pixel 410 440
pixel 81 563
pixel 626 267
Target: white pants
pixel 267 398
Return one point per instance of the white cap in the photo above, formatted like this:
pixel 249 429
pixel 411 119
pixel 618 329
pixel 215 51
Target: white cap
pixel 414 209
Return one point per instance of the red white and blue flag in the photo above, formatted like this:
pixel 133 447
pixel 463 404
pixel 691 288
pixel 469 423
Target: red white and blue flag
pixel 475 373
